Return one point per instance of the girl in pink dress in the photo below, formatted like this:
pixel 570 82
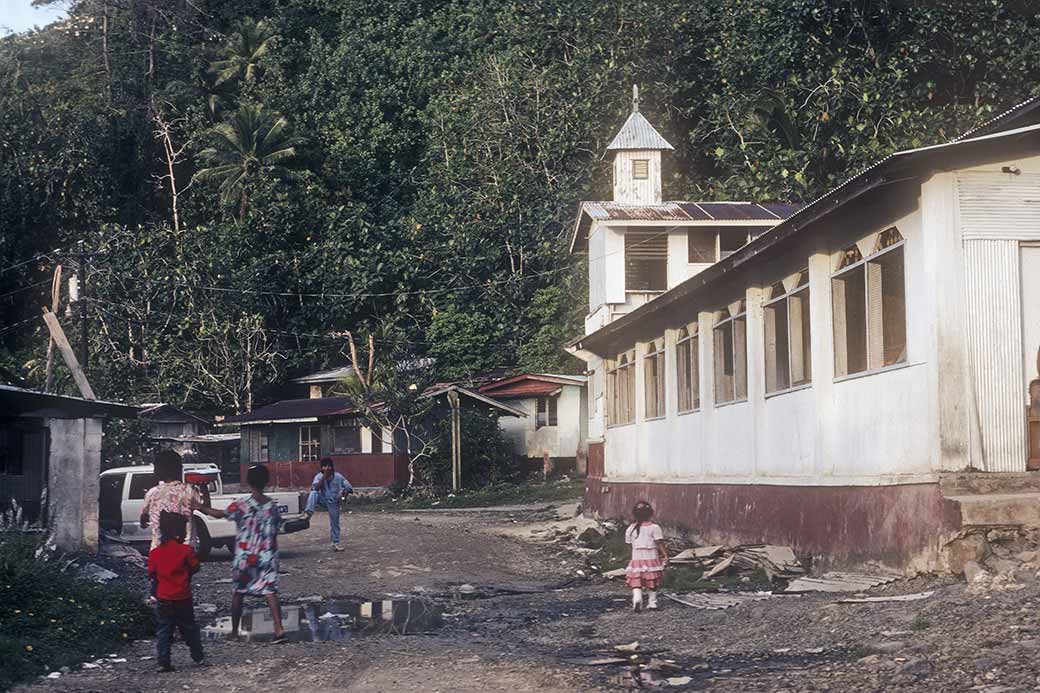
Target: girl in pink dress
pixel 649 556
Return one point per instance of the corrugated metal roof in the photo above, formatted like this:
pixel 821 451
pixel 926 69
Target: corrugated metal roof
pixel 1010 114
pixel 638 133
pixel 295 409
pixel 689 211
pixel 20 401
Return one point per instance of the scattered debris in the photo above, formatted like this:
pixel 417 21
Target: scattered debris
pixel 701 553
pixel 118 548
pixel 611 574
pixel 838 582
pixel 92 571
pixel 679 680
pixel 630 647
pixel 714 601
pixel 596 661
pixel 894 598
pixel 720 568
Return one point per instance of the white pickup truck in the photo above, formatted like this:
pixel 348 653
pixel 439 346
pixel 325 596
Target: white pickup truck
pixel 122 495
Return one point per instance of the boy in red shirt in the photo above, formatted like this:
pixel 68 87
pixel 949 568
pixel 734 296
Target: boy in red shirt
pixel 170 567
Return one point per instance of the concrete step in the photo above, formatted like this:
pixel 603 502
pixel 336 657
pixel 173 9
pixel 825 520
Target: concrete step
pixel 988 483
pixel 999 509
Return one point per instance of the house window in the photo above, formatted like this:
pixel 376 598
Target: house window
pixel 621 380
pixel 646 260
pixel 688 369
pixel 346 437
pixel 869 301
pixel 653 381
pixel 11 455
pixel 787 335
pixel 641 169
pixel 310 443
pixel 731 240
pixel 547 412
pixel 375 433
pixel 257 445
pixel 731 354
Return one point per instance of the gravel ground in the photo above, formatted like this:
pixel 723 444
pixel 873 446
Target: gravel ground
pixel 531 624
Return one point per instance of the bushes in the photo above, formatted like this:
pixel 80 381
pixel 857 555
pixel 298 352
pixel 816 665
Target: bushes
pixel 49 618
pixel 487 457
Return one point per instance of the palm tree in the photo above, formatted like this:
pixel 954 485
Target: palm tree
pixel 251 142
pixel 250 42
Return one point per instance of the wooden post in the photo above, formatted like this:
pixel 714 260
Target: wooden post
pixel 58 335
pixel 55 304
pixel 456 444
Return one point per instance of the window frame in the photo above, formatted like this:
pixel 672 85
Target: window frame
pixel 640 163
pixel 350 424
pixel 862 264
pixel 546 412
pixel 259 442
pixel 718 329
pixel 690 344
pixel 621 390
pixel 654 382
pixel 311 443
pixel 802 292
pixel 649 266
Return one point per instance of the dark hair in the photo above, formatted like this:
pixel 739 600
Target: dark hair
pixel 642 512
pixel 326 462
pixel 172 526
pixel 257 477
pixel 168 465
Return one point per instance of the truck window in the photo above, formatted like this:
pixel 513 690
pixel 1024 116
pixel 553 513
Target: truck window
pixel 139 485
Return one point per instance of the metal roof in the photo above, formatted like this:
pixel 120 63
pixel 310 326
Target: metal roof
pixel 755 213
pixel 328 376
pixel 443 390
pixel 638 133
pixel 904 166
pixel 289 410
pixel 20 401
pixel 531 385
pixel 1006 118
pixel 202 438
pixel 149 410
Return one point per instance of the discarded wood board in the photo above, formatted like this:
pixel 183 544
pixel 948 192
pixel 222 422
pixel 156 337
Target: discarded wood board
pixel 611 574
pixel 720 567
pixel 838 582
pixel 715 601
pixel 697 554
pixel 596 661
pixel 893 598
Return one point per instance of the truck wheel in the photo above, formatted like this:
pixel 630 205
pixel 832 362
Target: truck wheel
pixel 205 545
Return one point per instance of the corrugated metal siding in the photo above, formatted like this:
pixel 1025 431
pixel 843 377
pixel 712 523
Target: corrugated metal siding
pixel 999 205
pixel 995 349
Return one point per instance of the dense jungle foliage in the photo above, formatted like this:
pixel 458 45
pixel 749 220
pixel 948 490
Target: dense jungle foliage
pixel 251 179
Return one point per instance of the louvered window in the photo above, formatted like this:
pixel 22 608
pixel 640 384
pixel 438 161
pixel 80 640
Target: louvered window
pixel 869 299
pixel 787 335
pixel 621 380
pixel 646 260
pixel 687 369
pixel 653 380
pixel 731 354
pixel 641 169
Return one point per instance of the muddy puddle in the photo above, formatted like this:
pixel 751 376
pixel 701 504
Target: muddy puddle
pixel 334 620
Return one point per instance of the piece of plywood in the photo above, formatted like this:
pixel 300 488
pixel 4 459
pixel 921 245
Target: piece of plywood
pixel 58 335
pixel 888 598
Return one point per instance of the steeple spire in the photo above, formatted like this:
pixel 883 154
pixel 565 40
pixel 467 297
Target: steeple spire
pixel 635 98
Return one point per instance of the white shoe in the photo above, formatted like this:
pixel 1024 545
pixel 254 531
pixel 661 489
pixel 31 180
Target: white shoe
pixel 337 547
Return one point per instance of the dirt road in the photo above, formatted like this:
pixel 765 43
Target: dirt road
pixel 528 625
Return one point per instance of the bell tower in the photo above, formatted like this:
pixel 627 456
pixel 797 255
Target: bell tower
pixel 637 159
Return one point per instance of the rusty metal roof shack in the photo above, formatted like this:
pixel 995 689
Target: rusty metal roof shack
pixel 911 166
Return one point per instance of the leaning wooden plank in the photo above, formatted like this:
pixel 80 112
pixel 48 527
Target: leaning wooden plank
pixel 893 598
pixel 58 335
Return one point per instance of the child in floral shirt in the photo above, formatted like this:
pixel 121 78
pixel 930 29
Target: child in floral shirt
pixel 254 569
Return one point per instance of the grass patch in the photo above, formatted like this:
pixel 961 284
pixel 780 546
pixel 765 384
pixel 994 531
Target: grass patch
pixel 919 623
pixel 50 618
pixel 497 494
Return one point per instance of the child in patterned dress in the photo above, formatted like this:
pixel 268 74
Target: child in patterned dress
pixel 254 569
pixel 649 557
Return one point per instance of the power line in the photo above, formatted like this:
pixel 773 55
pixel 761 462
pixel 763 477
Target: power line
pixel 34 258
pixel 12 326
pixel 26 288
